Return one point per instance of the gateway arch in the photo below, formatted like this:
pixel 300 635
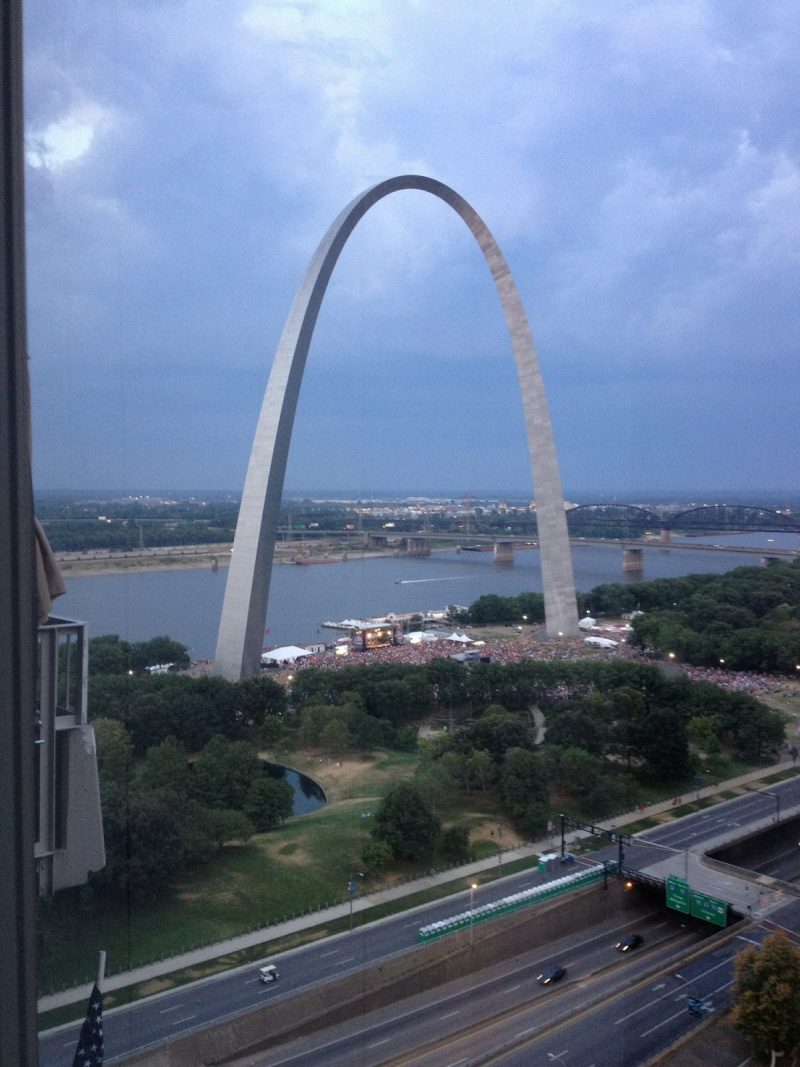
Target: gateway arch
pixel 244 610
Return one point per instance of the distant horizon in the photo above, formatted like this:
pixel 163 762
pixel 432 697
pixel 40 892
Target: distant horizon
pixel 759 496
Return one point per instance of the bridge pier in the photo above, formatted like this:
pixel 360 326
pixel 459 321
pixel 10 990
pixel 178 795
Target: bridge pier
pixel 770 561
pixel 504 551
pixel 665 537
pixel 377 540
pixel 418 546
pixel 632 561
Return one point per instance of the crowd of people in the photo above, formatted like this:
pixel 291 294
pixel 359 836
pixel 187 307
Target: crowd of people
pixel 741 681
pixel 514 649
pixel 493 650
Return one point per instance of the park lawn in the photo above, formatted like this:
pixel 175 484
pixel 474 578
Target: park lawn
pixel 301 867
pixel 350 776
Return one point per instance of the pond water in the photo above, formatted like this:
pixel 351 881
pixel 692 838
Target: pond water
pixel 308 795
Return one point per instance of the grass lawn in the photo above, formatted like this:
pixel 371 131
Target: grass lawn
pixel 303 866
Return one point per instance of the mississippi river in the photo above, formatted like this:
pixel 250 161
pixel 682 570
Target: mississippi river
pixel 186 604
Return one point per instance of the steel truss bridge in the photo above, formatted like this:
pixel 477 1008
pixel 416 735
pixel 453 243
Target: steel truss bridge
pixel 603 521
pixel 706 518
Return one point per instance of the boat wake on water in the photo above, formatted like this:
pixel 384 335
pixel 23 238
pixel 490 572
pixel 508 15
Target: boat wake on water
pixel 416 581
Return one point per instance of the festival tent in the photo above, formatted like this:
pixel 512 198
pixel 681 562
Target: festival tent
pixel 461 638
pixel 587 623
pixel 417 637
pixel 600 642
pixel 288 652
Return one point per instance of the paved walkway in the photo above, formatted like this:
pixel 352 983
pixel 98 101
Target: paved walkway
pixel 265 935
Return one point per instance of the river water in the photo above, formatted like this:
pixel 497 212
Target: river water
pixel 186 604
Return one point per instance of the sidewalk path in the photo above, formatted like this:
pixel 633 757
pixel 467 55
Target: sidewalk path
pixel 266 935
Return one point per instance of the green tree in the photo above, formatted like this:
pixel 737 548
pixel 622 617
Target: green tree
pixel 144 844
pixel 480 769
pixel 436 782
pixel 405 820
pixel 453 844
pixel 269 802
pixel 224 772
pixel 224 825
pixel 157 650
pixel 165 768
pixel 702 734
pixel 271 730
pixel 767 996
pixel 114 759
pixel 109 655
pixel 335 737
pixel 376 857
pixel 258 698
pixel 523 789
pixel 492 608
pixel 498 730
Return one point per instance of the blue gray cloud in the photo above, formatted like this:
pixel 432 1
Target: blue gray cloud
pixel 638 162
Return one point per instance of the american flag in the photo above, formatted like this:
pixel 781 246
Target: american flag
pixel 89 1052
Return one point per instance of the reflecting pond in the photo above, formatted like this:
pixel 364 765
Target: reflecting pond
pixel 308 795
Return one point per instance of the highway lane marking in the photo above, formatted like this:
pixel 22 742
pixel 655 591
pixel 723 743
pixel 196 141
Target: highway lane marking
pixel 750 940
pixel 188 1019
pixel 173 1008
pixel 375 1044
pixel 450 1014
pixel 671 993
pixel 663 1022
pixel 513 987
pixel 333 952
pixel 457 1063
pixel 677 1014
pixel 340 963
pixel 524 1033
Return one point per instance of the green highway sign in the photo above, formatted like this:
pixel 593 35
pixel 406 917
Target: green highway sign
pixel 678 894
pixel 710 909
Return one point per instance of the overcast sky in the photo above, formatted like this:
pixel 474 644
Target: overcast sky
pixel 638 163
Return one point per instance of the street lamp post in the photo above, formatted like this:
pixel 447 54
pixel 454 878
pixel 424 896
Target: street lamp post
pixel 777 798
pixel 472 889
pixel 352 889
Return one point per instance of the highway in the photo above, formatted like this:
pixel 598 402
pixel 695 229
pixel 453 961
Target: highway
pixel 473 1016
pixel 631 1029
pixel 153 1021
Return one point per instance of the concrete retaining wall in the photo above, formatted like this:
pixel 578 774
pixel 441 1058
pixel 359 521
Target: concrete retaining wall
pixel 405 975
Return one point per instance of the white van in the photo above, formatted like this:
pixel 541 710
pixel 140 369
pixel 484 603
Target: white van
pixel 268 973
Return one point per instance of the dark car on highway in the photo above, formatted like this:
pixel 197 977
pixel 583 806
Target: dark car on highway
pixel 629 943
pixel 551 974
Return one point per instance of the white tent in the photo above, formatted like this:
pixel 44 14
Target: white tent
pixel 600 642
pixel 418 637
pixel 462 639
pixel 288 652
pixel 587 622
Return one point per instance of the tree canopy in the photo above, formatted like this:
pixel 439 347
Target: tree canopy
pixel 747 619
pixel 405 821
pixel 767 996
